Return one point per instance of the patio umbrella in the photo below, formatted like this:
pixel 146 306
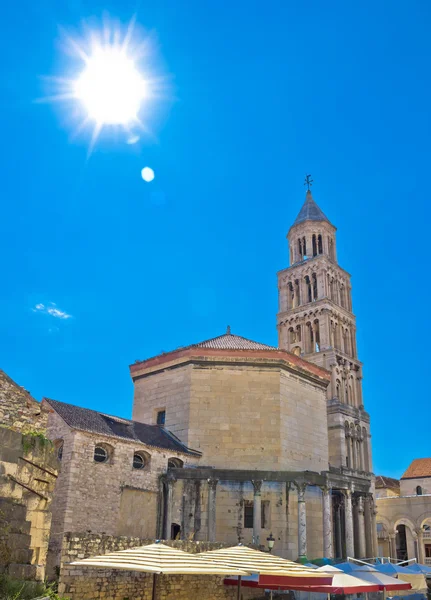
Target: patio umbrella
pixel 342 583
pixel 418 568
pixel 264 563
pixel 157 559
pixel 385 582
pixel 416 579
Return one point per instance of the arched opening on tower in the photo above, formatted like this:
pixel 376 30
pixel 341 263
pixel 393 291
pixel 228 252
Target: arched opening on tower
pixel 314 284
pixel 319 244
pixel 314 240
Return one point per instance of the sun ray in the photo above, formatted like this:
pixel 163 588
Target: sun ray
pixel 115 84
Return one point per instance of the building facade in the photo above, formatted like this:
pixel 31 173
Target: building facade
pixel 233 440
pixel 404 513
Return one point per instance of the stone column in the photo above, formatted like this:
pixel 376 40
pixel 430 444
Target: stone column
pixel 420 543
pixel 393 544
pixel 257 512
pixel 348 515
pixel 368 528
pixel 168 518
pixel 302 523
pixel 327 523
pixel 361 528
pixel 339 540
pixel 212 487
pixel 374 527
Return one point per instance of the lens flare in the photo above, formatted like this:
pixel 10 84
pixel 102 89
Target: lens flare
pixel 117 78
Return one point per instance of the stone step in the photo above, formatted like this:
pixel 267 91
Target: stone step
pixel 18 526
pixel 21 556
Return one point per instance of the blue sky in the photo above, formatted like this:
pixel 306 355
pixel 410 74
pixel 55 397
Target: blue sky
pixel 261 94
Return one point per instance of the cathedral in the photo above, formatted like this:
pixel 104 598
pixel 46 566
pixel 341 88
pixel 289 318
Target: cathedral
pixel 232 440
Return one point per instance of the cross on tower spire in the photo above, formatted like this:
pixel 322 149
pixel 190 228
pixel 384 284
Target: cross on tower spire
pixel 308 181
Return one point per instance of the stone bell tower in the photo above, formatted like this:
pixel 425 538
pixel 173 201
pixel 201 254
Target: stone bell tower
pixel 316 321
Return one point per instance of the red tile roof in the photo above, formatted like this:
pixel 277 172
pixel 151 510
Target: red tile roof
pixel 229 341
pixel 420 467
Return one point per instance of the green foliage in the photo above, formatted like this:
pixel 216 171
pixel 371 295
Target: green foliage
pixel 14 589
pixel 31 438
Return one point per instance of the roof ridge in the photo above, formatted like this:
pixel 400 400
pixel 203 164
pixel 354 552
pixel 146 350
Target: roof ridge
pixel 241 337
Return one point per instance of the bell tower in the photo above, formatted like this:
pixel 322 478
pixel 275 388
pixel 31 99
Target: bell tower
pixel 315 321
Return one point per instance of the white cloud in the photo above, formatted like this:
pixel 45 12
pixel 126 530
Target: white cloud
pixel 52 310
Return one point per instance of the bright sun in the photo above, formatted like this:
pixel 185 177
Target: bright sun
pixel 110 87
pixel 119 73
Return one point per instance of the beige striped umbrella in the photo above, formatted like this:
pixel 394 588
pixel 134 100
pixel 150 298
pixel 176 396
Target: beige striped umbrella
pixel 264 563
pixel 157 559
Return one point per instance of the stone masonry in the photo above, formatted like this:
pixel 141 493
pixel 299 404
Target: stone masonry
pixel 18 409
pixel 28 470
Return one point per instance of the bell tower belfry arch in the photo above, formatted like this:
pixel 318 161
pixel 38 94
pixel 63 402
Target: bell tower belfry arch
pixel 315 320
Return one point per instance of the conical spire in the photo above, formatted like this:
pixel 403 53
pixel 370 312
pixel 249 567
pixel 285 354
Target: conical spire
pixel 310 211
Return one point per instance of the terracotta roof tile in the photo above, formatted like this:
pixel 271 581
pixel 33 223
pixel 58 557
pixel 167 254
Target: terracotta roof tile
pixel 420 467
pixel 229 341
pixel 92 421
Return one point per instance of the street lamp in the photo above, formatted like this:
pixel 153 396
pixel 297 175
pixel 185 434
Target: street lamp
pixel 271 542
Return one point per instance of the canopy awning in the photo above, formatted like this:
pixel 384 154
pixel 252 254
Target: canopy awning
pixel 371 574
pixel 416 579
pixel 264 563
pixel 342 583
pixel 158 559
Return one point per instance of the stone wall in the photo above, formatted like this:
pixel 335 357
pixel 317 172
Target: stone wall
pixel 240 415
pixel 111 497
pixel 28 470
pixel 190 511
pixel 18 409
pixel 408 486
pixel 88 583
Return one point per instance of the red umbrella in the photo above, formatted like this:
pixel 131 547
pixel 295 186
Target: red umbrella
pixel 342 583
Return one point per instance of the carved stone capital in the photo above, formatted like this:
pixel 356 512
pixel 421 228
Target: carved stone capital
pixel 212 483
pixel 257 484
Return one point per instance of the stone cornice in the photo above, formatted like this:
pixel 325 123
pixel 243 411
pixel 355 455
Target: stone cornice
pixel 279 359
pixel 324 303
pixel 314 259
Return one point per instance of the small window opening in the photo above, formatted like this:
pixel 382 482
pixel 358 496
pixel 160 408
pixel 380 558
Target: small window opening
pixel 249 513
pixel 304 247
pixel 418 491
pixel 100 454
pixel 301 254
pixel 138 461
pixel 60 450
pixel 314 245
pixel 161 417
pixel 319 244
pixel 175 463
pixel 248 516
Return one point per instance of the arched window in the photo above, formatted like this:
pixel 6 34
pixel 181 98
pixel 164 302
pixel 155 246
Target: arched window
pixel 292 335
pixel 304 247
pixel 301 254
pixel 101 454
pixel 309 289
pixel 314 245
pixel 418 491
pixel 141 460
pixel 314 283
pixel 316 336
pixel 319 244
pixel 297 295
pixel 175 463
pixel 337 389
